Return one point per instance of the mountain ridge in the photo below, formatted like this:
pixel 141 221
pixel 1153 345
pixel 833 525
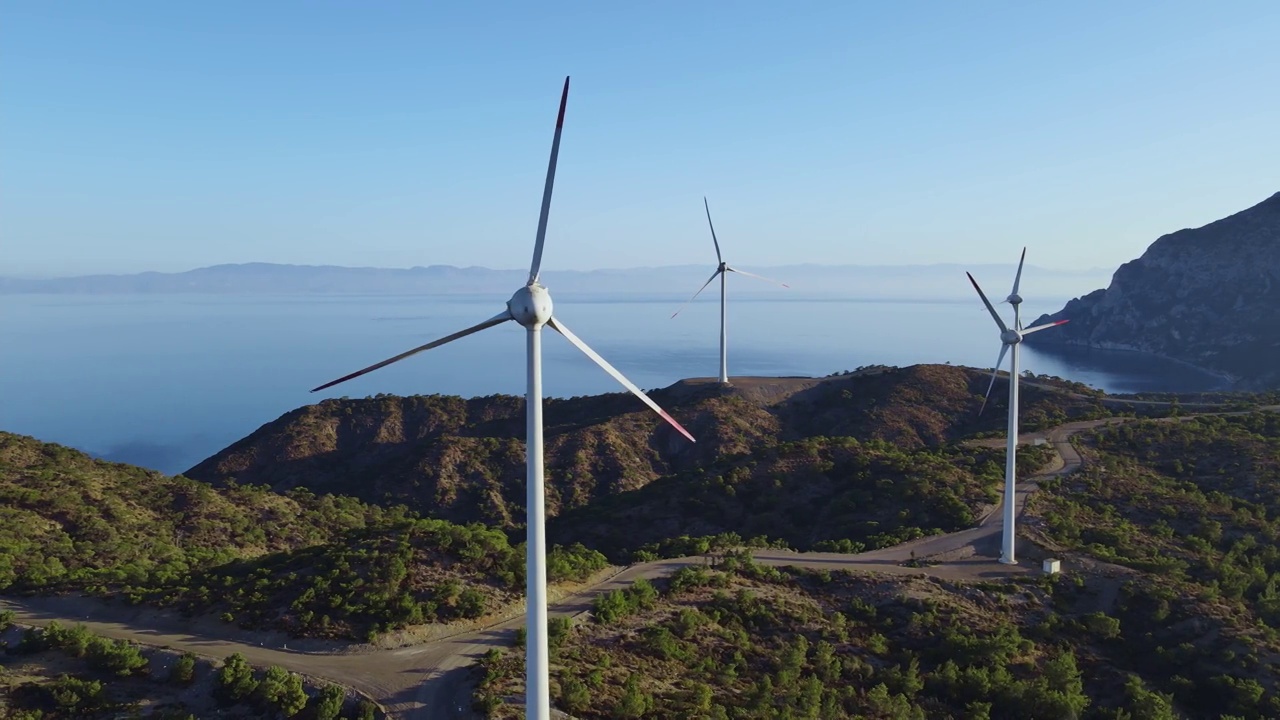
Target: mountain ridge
pixel 463 459
pixel 274 278
pixel 1205 296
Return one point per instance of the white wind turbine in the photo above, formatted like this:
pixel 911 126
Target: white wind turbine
pixel 1009 338
pixel 722 270
pixel 531 307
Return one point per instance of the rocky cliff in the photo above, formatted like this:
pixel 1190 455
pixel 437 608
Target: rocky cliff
pixel 1208 296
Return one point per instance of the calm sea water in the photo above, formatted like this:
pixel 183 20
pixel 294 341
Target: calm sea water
pixel 165 381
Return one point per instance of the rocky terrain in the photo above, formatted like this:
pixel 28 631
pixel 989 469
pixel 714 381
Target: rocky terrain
pixel 1208 296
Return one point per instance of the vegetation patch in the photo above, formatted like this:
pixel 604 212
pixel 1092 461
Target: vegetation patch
pixel 747 641
pixel 821 493
pixel 67 672
pixel 323 566
pixel 1194 508
pixel 376 580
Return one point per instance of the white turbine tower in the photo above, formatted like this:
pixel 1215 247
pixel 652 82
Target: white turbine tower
pixel 722 270
pixel 1009 338
pixel 531 307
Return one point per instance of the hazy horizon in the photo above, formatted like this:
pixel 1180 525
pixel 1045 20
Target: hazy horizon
pixel 606 269
pixel 673 283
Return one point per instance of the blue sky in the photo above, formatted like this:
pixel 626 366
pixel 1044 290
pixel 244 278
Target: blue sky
pixel 165 136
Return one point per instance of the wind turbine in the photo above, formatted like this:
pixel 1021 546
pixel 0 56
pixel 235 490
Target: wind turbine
pixel 531 307
pixel 1009 338
pixel 722 270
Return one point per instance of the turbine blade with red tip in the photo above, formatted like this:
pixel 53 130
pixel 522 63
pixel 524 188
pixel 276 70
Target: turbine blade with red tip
pixel 546 190
pixel 1045 326
pixel 577 342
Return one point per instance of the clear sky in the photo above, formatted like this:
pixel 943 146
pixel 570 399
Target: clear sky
pixel 171 135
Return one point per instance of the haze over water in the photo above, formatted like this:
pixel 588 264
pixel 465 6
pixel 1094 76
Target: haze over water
pixel 165 381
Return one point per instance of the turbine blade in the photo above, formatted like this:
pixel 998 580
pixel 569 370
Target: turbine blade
pixel 758 277
pixel 985 301
pixel 1017 279
pixel 546 190
pixel 577 342
pixel 695 295
pixel 713 229
pixel 1004 347
pixel 498 319
pixel 1045 326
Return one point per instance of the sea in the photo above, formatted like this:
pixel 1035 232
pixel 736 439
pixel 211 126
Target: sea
pixel 164 381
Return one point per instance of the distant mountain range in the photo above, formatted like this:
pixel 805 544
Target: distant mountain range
pixel 942 281
pixel 1209 296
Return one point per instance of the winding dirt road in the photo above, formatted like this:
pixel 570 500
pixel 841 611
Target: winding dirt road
pixel 432 680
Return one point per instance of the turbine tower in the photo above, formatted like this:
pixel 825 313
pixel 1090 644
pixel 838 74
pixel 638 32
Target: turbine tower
pixel 530 306
pixel 722 270
pixel 1010 338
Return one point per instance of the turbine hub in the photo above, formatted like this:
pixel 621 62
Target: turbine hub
pixel 531 306
pixel 1011 337
pixel 1014 299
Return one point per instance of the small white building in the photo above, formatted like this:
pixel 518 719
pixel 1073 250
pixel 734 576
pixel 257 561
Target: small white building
pixel 1052 566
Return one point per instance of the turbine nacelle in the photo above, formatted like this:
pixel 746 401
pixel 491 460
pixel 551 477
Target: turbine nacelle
pixel 530 306
pixel 1010 336
pixel 1014 299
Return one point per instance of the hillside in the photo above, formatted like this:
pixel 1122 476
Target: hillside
pixel 1191 508
pixel 316 566
pixel 1197 501
pixel 67 519
pixel 1207 296
pixel 812 494
pixel 463 459
pixel 747 641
